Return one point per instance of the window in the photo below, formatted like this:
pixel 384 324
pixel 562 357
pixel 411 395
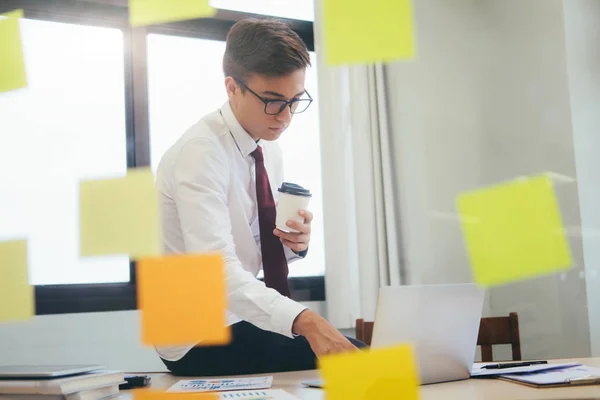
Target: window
pixel 293 9
pixel 69 124
pixel 86 114
pixel 301 148
pixel 185 83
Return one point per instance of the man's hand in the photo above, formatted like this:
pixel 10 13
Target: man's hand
pixel 297 241
pixel 321 335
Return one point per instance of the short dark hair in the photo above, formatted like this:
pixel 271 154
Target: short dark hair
pixel 263 46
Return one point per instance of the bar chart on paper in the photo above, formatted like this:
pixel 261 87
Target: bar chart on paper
pixel 274 394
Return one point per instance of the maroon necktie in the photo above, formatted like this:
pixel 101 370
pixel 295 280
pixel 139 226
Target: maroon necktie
pixel 274 262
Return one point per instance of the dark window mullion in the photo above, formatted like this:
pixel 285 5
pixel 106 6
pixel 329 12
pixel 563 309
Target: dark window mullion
pixel 140 104
pixel 139 110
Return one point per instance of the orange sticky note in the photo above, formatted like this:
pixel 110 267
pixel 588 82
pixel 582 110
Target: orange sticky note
pixel 388 373
pixel 16 294
pixel 144 394
pixel 182 300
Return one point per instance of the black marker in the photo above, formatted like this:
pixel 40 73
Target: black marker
pixel 513 365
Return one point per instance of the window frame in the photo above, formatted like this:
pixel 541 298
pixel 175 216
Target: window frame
pixel 101 297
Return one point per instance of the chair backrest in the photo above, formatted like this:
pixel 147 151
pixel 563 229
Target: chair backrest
pixel 499 330
pixel 492 330
pixel 364 331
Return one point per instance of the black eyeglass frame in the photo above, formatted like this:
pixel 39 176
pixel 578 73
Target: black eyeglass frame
pixel 284 103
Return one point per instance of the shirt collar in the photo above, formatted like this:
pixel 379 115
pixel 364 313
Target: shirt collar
pixel 244 142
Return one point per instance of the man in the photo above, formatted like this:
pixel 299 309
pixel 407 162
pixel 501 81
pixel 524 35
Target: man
pixel 218 187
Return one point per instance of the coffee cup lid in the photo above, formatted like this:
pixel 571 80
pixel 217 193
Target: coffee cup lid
pixel 292 188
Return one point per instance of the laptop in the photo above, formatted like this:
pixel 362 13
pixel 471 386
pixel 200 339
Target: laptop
pixel 44 371
pixel 440 321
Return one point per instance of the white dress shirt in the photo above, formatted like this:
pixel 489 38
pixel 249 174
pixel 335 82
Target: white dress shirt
pixel 207 194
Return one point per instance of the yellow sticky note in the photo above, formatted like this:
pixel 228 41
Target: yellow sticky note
pixel 359 31
pixel 120 216
pixel 12 62
pixel 145 394
pixel 514 231
pixel 388 373
pixel 182 300
pixel 16 294
pixel 147 12
pixel 14 14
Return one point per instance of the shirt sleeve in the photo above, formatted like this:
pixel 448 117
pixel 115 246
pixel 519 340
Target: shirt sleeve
pixel 292 256
pixel 200 187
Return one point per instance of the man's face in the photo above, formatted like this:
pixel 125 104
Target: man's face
pixel 250 110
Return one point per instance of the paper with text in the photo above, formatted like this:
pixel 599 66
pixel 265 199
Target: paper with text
pixel 214 385
pixel 273 394
pixel 270 394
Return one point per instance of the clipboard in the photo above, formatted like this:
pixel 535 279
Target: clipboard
pixel 573 376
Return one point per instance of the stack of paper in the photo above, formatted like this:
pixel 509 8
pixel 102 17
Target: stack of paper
pixel 97 385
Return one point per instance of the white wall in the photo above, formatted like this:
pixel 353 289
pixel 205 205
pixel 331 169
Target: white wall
pixel 486 100
pixel 111 339
pixel 527 123
pixel 582 28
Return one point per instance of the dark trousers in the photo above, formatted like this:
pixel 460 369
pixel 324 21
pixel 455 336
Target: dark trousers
pixel 251 351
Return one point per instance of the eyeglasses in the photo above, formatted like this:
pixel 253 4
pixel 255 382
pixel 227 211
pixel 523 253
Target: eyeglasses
pixel 274 107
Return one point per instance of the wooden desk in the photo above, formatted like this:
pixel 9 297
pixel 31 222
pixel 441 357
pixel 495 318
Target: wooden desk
pixel 471 389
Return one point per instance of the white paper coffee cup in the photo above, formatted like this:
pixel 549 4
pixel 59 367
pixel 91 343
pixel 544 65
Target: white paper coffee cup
pixel 292 198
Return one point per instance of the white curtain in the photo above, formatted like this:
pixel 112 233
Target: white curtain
pixel 362 246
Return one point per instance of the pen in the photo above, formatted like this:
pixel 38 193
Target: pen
pixel 513 365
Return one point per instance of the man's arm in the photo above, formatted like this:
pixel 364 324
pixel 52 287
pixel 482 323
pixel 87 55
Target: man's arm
pixel 201 181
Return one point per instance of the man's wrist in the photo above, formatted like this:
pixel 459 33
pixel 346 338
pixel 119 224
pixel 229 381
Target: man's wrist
pixel 301 253
pixel 304 322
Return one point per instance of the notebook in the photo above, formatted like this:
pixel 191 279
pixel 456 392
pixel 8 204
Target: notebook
pixel 62 386
pixel 573 376
pixel 45 371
